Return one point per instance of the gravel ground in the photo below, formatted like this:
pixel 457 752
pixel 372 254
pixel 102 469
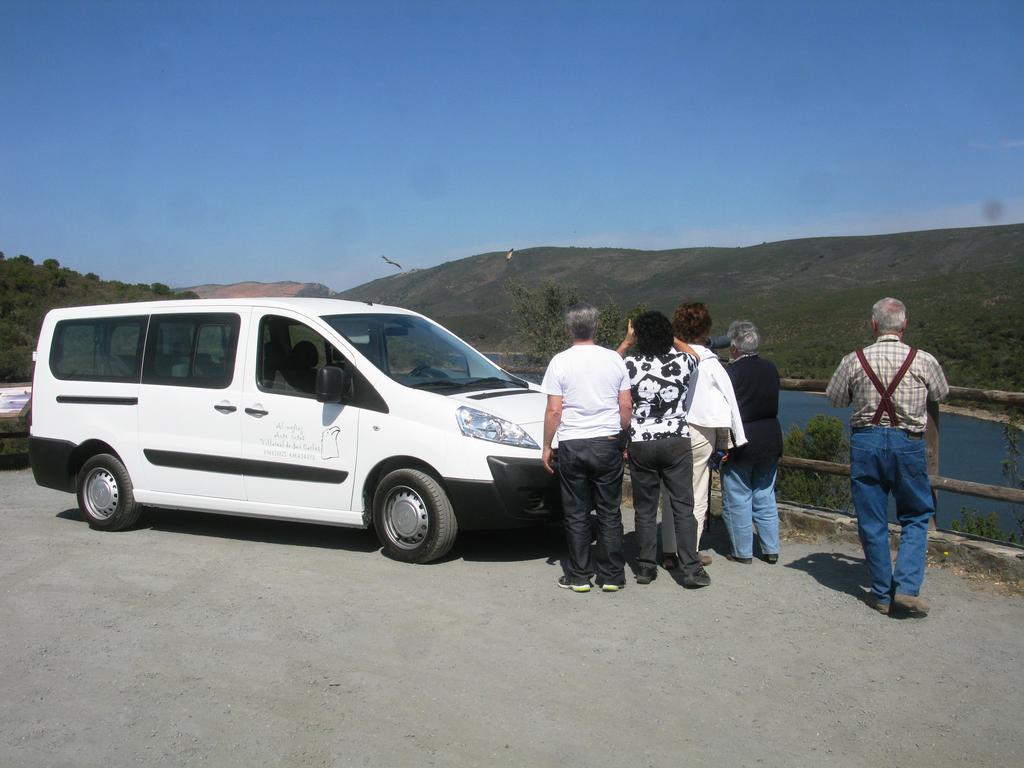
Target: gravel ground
pixel 235 642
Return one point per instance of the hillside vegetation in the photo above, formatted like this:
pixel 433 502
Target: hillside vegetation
pixel 811 297
pixel 28 291
pixel 249 290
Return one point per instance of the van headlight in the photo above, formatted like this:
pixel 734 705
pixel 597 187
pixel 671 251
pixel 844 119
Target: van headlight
pixel 484 426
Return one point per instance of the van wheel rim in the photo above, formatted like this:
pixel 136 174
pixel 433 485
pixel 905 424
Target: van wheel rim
pixel 101 494
pixel 405 518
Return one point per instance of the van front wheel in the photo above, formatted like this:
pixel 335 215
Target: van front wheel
pixel 105 494
pixel 413 516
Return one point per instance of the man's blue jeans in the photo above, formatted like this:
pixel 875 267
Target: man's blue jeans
pixel 884 461
pixel 748 490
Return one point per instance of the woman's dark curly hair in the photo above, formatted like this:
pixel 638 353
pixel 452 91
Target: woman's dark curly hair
pixel 653 334
pixel 692 322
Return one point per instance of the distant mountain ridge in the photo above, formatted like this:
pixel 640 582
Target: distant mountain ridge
pixel 252 289
pixel 662 278
pixel 811 297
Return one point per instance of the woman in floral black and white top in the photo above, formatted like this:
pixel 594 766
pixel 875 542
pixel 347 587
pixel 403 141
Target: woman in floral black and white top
pixel 659 447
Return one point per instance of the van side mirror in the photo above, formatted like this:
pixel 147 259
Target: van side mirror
pixel 333 384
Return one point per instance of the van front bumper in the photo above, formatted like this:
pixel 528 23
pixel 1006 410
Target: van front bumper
pixel 521 493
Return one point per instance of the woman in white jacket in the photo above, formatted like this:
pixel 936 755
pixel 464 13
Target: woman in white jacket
pixel 712 413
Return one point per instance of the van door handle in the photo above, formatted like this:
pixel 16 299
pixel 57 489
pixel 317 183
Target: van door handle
pixel 224 408
pixel 257 412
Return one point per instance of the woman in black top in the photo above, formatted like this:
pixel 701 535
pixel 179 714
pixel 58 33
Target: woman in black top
pixel 748 477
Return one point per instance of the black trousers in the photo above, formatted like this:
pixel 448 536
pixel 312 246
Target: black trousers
pixel 652 463
pixel 591 473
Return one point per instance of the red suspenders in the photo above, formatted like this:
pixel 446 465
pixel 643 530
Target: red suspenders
pixel 886 393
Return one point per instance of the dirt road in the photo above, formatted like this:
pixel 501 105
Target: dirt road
pixel 231 642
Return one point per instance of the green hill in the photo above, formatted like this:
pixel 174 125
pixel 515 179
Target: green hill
pixel 811 297
pixel 28 291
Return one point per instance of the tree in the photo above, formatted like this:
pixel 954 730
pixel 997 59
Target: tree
pixel 538 315
pixel 611 325
pixel 822 440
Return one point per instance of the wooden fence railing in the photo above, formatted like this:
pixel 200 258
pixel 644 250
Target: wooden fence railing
pixel 939 483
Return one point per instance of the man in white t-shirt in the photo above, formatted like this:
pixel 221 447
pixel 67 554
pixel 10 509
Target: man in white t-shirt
pixel 589 406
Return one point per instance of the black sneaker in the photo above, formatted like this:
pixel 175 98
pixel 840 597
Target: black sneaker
pixel 645 574
pixel 697 580
pixel 612 587
pixel 564 583
pixel 743 560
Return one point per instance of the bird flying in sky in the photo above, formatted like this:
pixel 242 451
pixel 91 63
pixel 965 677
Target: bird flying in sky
pixel 508 256
pixel 392 263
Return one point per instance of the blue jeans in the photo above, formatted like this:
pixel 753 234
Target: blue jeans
pixel 591 473
pixel 748 495
pixel 884 461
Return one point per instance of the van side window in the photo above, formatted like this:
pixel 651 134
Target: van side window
pixel 191 350
pixel 98 349
pixel 289 355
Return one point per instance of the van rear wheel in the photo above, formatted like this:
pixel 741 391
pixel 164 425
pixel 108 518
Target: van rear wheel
pixel 105 495
pixel 413 516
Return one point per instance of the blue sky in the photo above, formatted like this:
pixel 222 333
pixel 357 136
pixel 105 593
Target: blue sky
pixel 192 142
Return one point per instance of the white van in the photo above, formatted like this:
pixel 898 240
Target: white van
pixel 318 410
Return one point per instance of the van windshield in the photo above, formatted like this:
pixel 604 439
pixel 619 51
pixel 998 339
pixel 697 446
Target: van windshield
pixel 419 354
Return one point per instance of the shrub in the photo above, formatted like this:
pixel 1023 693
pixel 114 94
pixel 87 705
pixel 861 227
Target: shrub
pixel 981 525
pixel 823 439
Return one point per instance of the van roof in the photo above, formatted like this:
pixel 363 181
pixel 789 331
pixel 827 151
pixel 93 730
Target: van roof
pixel 309 306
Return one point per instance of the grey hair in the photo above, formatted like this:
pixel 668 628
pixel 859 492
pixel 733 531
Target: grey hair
pixel 581 321
pixel 744 335
pixel 890 315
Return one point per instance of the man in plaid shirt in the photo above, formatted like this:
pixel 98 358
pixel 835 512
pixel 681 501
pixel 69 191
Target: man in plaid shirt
pixel 889 384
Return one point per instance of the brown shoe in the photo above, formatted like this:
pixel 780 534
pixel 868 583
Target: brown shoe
pixel 705 558
pixel 910 605
pixel 878 605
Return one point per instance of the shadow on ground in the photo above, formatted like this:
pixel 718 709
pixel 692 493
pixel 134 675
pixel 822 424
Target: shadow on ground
pixel 531 543
pixel 535 542
pixel 835 570
pixel 248 529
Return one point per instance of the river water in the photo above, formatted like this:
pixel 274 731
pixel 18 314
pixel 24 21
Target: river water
pixel 969 449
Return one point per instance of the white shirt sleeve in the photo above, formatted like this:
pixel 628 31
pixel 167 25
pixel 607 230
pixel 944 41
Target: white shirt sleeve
pixel 624 383
pixel 552 383
pixel 723 383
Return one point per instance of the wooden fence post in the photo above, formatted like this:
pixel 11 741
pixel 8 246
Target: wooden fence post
pixel 932 447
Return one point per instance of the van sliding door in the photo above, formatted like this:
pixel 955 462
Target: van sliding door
pixel 190 407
